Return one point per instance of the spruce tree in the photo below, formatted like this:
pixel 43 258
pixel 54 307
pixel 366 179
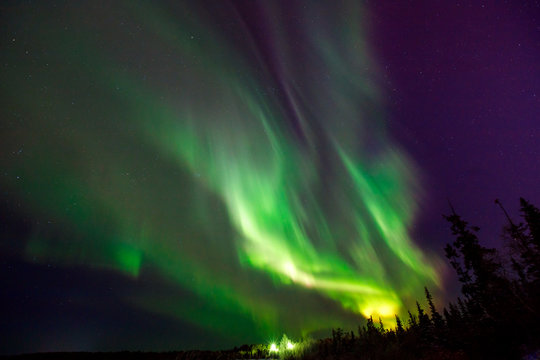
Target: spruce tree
pixel 436 317
pixel 400 331
pixel 480 273
pixel 412 322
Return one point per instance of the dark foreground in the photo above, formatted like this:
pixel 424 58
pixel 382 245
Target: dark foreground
pixel 127 355
pixel 497 315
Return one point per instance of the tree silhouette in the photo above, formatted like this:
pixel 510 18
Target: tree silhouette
pixel 436 317
pixel 496 316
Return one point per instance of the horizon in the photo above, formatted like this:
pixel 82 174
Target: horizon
pixel 179 173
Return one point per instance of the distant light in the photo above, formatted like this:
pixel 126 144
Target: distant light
pixel 290 345
pixel 273 348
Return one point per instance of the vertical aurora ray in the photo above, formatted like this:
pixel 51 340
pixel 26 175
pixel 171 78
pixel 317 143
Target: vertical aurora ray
pixel 242 158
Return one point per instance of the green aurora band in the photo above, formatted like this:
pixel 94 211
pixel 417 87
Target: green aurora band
pixel 261 186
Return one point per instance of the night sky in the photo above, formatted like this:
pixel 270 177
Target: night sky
pixel 204 174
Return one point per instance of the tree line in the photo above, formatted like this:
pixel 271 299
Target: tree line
pixel 497 315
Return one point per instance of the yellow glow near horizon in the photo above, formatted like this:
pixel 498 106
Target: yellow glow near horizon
pixel 384 311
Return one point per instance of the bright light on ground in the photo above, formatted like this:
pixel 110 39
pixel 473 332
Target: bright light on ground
pixel 290 345
pixel 273 348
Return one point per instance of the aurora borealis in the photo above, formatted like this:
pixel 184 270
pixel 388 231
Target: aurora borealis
pixel 229 164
